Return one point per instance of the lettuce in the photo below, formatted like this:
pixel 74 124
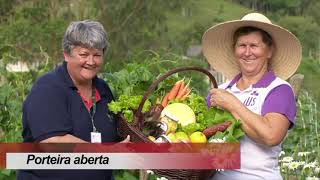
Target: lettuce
pixel 126 104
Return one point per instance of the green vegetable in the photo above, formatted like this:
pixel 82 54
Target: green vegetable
pixel 190 128
pixel 128 114
pixel 115 107
pixel 232 134
pixel 215 116
pixel 207 117
pixel 133 79
pixel 238 133
pixel 198 105
pixel 126 104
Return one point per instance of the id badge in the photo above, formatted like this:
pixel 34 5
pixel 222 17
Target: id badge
pixel 95 137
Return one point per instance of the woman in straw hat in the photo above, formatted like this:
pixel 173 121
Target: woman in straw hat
pixel 257 56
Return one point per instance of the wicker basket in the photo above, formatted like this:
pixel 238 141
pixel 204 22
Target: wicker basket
pixel 135 129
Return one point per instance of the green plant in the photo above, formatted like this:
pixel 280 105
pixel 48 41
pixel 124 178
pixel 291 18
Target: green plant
pixel 300 156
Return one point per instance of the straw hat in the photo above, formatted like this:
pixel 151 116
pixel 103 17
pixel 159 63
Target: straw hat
pixel 217 46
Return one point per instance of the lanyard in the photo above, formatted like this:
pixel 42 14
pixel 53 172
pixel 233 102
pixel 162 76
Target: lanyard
pixel 94 107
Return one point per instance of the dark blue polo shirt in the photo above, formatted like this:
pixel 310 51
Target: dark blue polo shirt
pixel 55 108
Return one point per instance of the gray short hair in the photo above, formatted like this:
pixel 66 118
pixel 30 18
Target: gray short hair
pixel 87 33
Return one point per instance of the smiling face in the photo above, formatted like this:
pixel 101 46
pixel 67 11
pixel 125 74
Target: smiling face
pixel 83 64
pixel 252 53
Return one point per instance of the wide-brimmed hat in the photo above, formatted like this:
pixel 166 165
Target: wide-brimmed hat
pixel 217 47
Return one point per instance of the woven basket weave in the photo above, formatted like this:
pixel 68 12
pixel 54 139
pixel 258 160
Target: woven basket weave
pixel 135 129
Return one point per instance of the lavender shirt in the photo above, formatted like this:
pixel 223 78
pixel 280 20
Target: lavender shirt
pixel 270 94
pixel 279 100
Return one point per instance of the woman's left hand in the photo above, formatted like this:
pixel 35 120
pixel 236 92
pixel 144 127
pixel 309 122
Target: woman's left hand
pixel 223 99
pixel 126 140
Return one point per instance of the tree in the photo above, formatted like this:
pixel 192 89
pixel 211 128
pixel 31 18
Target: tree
pixel 137 25
pixel 132 25
pixel 30 30
pixel 306 30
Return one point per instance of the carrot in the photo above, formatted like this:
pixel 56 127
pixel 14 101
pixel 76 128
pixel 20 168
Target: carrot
pixel 186 94
pixel 174 91
pixel 183 91
pixel 165 100
pixel 183 85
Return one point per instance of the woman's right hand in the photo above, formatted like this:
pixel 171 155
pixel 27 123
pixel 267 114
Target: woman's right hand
pixel 224 99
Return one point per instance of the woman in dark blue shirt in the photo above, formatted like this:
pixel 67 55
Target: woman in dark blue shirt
pixel 69 104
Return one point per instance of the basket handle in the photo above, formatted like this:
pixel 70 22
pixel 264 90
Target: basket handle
pixel 138 114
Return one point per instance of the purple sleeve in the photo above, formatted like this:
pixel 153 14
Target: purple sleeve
pixel 208 100
pixel 281 100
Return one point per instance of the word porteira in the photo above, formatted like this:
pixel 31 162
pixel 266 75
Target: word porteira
pixel 49 159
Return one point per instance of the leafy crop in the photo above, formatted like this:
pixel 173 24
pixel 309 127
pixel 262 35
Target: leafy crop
pixel 207 117
pixel 126 104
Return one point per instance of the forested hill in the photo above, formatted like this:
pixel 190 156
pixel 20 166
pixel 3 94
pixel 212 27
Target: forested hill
pixel 145 24
pixel 30 29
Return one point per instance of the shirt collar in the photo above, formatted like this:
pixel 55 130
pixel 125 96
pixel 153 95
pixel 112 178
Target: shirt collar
pixel 89 102
pixel 262 83
pixel 234 80
pixel 65 75
pixel 266 80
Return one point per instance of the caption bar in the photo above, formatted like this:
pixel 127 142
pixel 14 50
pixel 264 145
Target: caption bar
pixel 120 156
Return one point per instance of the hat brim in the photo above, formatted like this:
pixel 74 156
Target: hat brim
pixel 217 48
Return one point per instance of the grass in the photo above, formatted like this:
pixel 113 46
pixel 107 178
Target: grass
pixel 201 11
pixel 310 68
